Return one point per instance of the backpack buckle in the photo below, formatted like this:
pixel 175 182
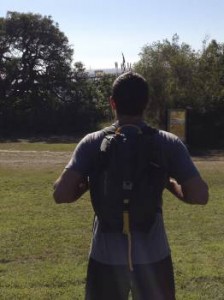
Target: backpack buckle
pixel 127 185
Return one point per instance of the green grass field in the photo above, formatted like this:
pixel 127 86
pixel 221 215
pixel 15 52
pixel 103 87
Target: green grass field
pixel 44 247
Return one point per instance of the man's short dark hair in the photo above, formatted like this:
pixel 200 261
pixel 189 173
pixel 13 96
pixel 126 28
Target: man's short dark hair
pixel 130 93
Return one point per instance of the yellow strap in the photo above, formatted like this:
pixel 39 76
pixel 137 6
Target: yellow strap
pixel 126 230
pixel 129 253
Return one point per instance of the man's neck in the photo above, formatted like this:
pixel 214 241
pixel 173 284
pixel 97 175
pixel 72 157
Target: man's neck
pixel 129 119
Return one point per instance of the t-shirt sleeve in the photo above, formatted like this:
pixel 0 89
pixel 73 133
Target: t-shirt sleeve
pixel 181 166
pixel 84 154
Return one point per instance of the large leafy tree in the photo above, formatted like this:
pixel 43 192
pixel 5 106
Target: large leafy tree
pixel 169 68
pixel 208 118
pixel 103 90
pixel 211 76
pixel 93 93
pixel 35 61
pixel 180 77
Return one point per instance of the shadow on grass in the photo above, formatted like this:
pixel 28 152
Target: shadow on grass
pixel 207 153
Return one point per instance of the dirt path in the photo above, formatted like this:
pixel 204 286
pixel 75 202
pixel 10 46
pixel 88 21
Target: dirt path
pixel 33 158
pixel 14 158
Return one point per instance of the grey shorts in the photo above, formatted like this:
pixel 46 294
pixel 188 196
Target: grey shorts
pixel 148 281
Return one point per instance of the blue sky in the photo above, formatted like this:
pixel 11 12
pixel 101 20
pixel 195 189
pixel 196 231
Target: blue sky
pixel 100 30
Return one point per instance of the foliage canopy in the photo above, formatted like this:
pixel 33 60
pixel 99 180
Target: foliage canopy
pixel 43 91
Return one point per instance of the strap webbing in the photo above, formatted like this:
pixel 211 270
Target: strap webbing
pixel 126 231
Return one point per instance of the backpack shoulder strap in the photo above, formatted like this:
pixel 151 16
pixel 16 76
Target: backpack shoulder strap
pixel 109 130
pixel 145 130
pixel 149 130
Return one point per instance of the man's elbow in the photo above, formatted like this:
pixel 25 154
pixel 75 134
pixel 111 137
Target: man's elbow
pixel 61 198
pixel 195 191
pixel 203 200
pixel 204 196
pixel 57 198
pixel 200 197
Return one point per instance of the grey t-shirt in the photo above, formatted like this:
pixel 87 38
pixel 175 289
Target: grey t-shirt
pixel 111 248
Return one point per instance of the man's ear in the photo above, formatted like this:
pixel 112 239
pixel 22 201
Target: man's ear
pixel 112 103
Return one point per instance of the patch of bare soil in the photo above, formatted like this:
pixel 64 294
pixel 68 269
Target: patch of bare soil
pixel 45 159
pixel 33 158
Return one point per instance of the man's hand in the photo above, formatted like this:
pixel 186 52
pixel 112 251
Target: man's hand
pixel 175 188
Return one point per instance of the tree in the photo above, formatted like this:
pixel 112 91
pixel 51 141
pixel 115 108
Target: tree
pixel 207 120
pixel 35 60
pixel 211 75
pixel 94 93
pixel 103 90
pixel 179 77
pixel 83 91
pixel 169 68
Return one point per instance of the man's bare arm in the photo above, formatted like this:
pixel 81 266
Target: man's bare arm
pixel 192 191
pixel 69 187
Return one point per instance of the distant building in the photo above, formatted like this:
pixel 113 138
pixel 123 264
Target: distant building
pixel 99 73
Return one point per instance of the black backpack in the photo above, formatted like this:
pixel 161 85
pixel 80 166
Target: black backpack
pixel 127 183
